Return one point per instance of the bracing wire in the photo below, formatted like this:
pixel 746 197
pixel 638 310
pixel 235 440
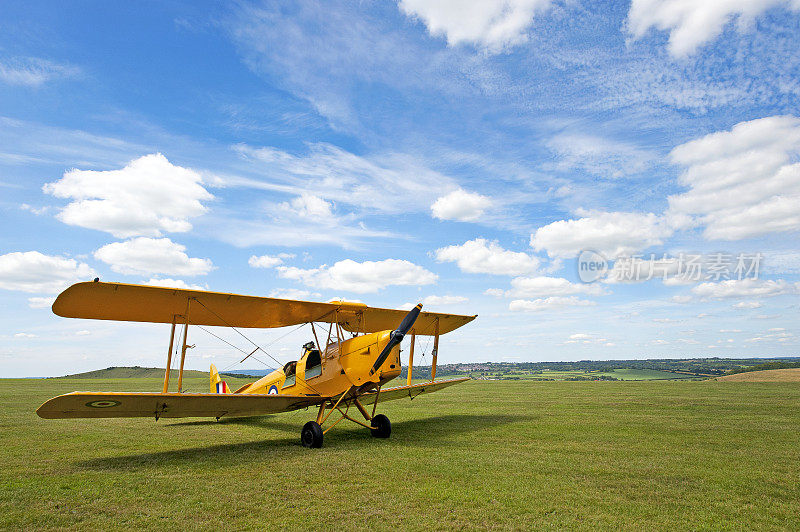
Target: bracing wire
pixel 258 347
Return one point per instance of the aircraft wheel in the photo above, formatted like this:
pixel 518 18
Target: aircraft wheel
pixel 311 435
pixel 382 426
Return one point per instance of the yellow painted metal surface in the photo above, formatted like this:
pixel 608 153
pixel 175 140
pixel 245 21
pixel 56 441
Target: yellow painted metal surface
pixel 169 405
pixel 127 302
pixel 407 392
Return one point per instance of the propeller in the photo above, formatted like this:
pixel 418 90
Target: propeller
pixel 396 337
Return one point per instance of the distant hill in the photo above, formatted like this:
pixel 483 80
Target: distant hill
pixel 131 372
pixel 769 375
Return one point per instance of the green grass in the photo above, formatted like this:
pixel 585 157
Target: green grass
pixel 629 374
pixel 135 372
pixel 625 374
pixel 658 455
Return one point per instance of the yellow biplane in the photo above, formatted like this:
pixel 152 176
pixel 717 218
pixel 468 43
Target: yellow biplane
pixel 347 372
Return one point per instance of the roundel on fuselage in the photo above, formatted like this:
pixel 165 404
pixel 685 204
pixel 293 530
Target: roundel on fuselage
pixel 273 390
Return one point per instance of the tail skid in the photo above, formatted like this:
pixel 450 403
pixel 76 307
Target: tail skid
pixel 217 384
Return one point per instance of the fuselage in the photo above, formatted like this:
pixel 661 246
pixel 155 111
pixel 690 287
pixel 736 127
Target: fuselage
pixel 342 365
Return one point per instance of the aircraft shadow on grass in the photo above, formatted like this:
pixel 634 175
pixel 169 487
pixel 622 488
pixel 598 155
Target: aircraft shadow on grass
pixel 425 432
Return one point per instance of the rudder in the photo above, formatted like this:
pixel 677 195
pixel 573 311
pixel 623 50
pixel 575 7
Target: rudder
pixel 217 384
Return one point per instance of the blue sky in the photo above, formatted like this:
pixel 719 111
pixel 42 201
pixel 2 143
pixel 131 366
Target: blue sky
pixel 458 154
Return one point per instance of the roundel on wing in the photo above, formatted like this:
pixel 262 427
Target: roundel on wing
pixel 273 390
pixel 103 404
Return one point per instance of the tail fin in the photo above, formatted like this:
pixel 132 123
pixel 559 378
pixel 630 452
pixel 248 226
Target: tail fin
pixel 217 384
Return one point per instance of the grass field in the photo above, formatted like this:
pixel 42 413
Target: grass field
pixel 506 455
pixel 623 374
pixel 770 375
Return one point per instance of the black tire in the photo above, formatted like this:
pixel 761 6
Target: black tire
pixel 311 435
pixel 383 428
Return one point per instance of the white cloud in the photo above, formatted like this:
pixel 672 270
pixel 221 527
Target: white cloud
pixel 638 270
pixel 681 299
pixel 361 277
pixel 483 256
pixel 548 303
pixel 438 301
pixel 746 288
pixel 490 24
pixel 174 283
pixel 580 336
pixel 747 304
pixel 610 233
pixel 390 183
pixel 41 302
pixel 83 332
pixel 602 157
pixel 460 205
pixel 293 293
pixel 148 197
pixel 781 262
pixel 550 286
pixel 268 261
pixel 33 71
pixel 24 335
pixel 31 271
pixel 309 206
pixel 744 182
pixel 692 23
pixel 434 302
pixel 152 256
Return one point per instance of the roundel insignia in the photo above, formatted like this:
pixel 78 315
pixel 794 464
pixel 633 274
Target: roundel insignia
pixel 273 390
pixel 103 404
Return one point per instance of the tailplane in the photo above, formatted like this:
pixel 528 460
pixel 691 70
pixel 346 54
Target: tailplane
pixel 217 384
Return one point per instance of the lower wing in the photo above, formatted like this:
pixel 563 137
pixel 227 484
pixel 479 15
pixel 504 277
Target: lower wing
pixel 412 391
pixel 142 404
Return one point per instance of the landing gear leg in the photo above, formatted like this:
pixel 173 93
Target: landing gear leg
pixel 311 435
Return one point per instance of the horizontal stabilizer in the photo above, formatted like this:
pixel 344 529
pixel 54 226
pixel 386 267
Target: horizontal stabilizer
pixel 142 404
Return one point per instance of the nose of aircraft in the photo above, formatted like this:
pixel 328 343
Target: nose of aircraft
pixel 397 336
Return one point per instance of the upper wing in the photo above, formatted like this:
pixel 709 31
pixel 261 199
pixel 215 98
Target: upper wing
pixel 128 302
pixel 401 392
pixel 143 404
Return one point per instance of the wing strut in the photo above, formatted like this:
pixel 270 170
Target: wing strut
pixel 435 351
pixel 184 347
pixel 411 356
pixel 169 354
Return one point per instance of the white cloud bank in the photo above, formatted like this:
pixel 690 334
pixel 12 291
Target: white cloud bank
pixel 489 24
pixel 548 303
pixel 746 288
pixel 148 197
pixel 268 261
pixel 550 286
pixel 361 277
pixel 31 271
pixel 33 71
pixel 388 183
pixel 174 283
pixel 693 22
pixel 612 234
pixel 460 205
pixel 744 182
pixel 484 256
pixel 152 256
pixel 602 157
